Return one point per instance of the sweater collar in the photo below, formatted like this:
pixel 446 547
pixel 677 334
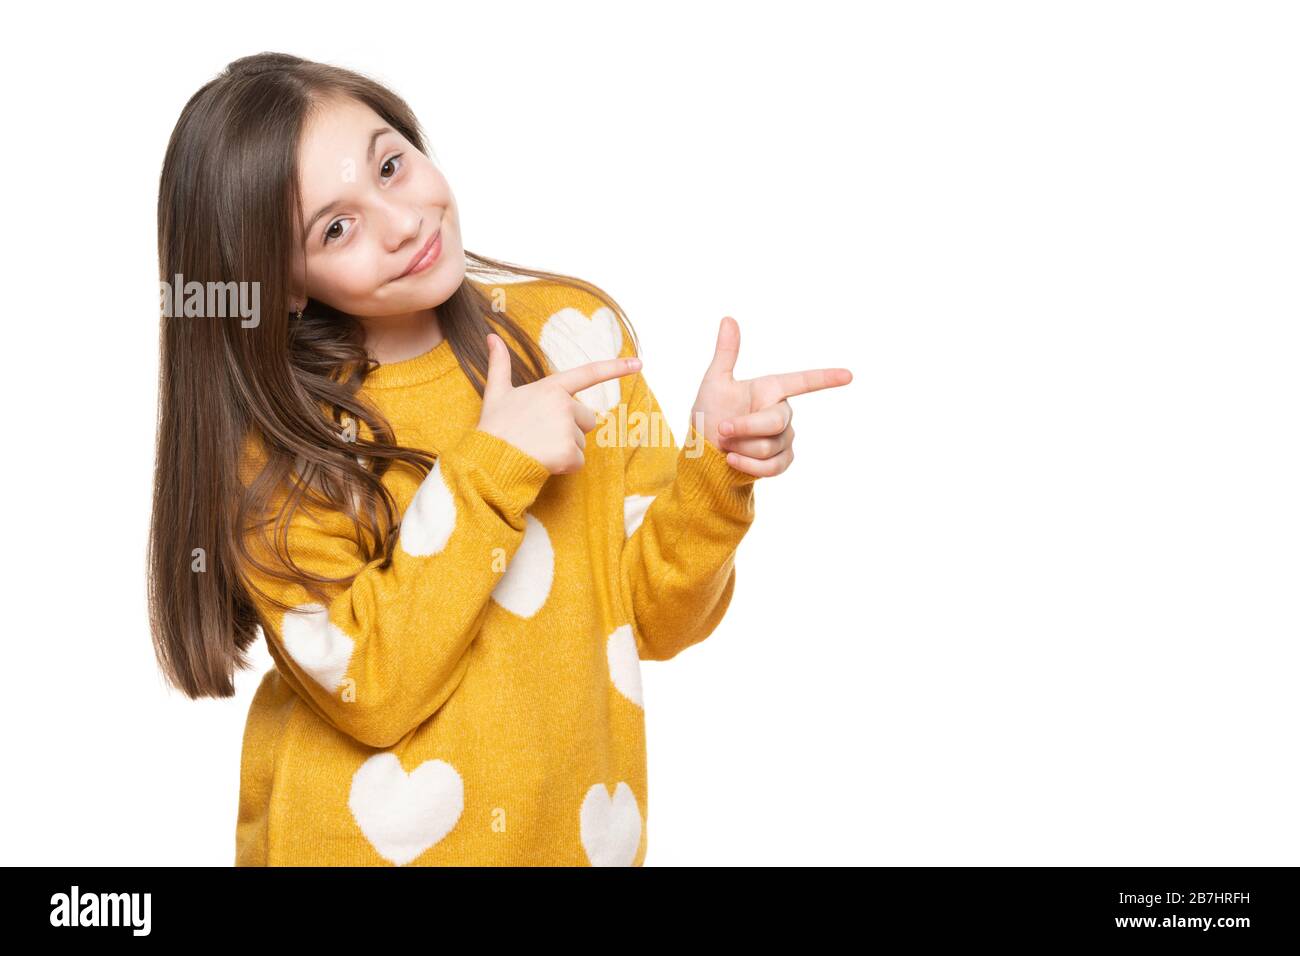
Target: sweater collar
pixel 413 371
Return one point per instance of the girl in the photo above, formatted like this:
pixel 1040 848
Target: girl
pixel 384 465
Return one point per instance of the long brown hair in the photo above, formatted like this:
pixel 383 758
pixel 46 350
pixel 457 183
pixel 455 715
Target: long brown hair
pixel 228 208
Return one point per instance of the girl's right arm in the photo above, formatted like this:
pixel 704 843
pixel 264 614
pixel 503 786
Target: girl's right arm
pixel 390 647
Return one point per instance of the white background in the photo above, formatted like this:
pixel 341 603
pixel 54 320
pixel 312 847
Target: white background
pixel 1027 595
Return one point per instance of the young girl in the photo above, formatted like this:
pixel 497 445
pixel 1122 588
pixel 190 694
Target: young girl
pixel 387 467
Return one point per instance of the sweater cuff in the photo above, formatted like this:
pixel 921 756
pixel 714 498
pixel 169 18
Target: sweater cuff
pixel 704 474
pixel 515 478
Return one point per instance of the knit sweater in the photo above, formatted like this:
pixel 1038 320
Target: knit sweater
pixel 478 701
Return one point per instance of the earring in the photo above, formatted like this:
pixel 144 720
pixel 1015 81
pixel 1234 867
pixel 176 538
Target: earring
pixel 298 314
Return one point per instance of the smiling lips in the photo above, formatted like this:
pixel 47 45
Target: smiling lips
pixel 426 256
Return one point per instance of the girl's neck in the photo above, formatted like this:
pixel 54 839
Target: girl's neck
pixel 395 338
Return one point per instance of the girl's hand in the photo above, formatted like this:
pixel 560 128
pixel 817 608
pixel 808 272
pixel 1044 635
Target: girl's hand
pixel 750 420
pixel 542 418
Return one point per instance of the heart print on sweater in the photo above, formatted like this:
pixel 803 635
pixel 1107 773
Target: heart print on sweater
pixel 526 585
pixel 610 826
pixel 634 509
pixel 403 814
pixel 624 663
pixel 318 645
pixel 430 518
pixel 570 339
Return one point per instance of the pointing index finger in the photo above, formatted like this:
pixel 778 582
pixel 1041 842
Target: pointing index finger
pixel 809 380
pixel 574 380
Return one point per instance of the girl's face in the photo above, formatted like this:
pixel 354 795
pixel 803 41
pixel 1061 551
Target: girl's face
pixel 373 202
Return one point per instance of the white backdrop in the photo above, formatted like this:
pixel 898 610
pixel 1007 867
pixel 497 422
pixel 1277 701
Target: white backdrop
pixel 1027 594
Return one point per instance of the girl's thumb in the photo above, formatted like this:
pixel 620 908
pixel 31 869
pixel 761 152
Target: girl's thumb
pixel 498 372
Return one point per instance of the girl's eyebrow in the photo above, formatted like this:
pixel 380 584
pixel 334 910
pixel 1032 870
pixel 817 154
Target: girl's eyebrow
pixel 370 154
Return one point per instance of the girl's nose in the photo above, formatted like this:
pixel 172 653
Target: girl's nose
pixel 400 226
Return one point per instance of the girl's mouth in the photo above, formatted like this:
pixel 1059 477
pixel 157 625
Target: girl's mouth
pixel 426 256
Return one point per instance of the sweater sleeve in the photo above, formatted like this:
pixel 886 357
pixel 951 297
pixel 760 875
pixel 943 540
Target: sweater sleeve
pixel 685 511
pixel 390 647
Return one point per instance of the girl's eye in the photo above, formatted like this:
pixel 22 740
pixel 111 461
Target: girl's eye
pixel 330 235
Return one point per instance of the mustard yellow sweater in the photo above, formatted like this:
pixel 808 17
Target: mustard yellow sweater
pixel 478 701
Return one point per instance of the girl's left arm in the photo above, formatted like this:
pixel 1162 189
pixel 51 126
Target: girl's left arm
pixel 685 512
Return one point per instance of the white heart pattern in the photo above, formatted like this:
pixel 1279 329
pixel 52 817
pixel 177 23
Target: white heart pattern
pixel 624 663
pixel 570 339
pixel 318 645
pixel 610 826
pixel 430 518
pixel 403 814
pixel 634 509
pixel 526 585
